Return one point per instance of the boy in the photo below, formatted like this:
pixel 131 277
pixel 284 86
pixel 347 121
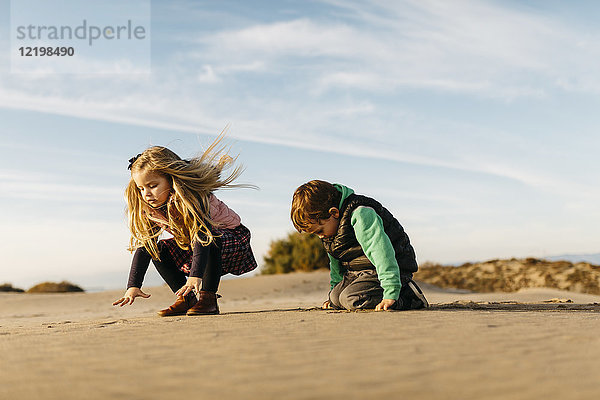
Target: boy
pixel 371 259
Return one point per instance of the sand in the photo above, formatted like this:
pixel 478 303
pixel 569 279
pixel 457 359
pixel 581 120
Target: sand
pixel 272 342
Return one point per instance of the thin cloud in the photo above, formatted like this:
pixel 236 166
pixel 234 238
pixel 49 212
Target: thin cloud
pixel 299 37
pixel 208 75
pixel 56 192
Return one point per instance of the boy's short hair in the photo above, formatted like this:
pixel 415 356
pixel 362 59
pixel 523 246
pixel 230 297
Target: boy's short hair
pixel 312 201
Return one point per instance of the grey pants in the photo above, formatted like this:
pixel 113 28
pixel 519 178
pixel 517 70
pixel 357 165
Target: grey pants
pixel 359 290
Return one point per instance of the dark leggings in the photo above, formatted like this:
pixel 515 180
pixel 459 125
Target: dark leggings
pixel 208 262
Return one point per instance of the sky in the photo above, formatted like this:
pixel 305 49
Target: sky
pixel 474 122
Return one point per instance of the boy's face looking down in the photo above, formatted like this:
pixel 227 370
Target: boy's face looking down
pixel 325 228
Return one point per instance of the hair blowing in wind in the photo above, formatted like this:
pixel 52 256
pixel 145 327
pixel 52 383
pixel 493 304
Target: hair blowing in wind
pixel 192 183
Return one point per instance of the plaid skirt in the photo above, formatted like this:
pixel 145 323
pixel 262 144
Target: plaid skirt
pixel 236 254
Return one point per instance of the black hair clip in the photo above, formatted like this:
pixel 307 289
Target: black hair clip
pixel 132 160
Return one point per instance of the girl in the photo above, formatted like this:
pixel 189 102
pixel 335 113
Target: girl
pixel 168 193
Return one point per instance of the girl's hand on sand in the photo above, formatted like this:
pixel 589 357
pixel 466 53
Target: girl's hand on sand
pixel 130 296
pixel 326 305
pixel 386 304
pixel 192 284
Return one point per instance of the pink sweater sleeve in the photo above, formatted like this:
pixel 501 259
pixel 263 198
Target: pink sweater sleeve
pixel 224 216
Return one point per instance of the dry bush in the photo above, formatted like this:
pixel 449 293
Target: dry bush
pixel 53 287
pixel 7 287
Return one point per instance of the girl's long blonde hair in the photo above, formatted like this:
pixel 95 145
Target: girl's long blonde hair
pixel 192 183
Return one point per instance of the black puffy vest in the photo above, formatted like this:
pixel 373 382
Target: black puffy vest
pixel 344 246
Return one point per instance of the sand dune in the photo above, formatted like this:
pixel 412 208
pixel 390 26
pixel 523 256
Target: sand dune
pixel 271 342
pixel 515 274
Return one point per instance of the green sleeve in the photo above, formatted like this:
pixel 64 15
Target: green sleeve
pixel 378 248
pixel 334 271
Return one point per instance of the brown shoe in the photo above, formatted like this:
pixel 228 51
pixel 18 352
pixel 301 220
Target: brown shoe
pixel 180 307
pixel 206 305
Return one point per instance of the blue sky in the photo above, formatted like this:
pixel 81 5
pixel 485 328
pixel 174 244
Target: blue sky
pixel 474 122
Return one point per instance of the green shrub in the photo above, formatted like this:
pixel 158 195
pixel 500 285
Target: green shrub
pixel 297 252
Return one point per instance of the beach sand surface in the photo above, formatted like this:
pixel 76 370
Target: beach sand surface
pixel 273 342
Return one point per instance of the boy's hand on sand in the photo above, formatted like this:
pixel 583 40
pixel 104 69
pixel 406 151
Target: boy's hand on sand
pixel 192 284
pixel 326 305
pixel 130 296
pixel 386 304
